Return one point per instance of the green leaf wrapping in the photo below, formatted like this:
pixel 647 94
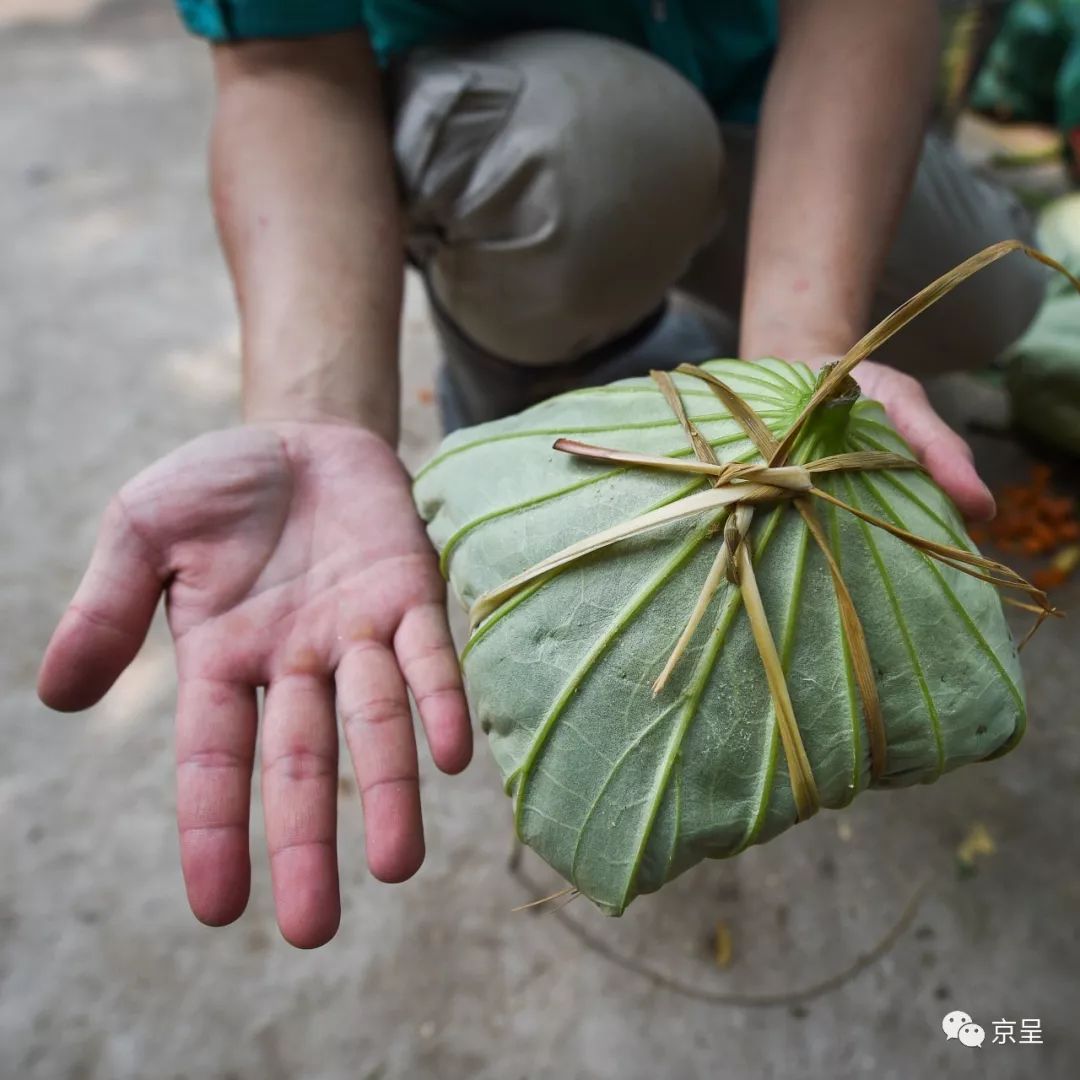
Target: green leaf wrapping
pixel 620 790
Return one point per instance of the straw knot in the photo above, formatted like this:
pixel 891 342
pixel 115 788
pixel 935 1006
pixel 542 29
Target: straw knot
pixel 736 528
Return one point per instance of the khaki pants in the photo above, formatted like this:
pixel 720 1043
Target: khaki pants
pixel 558 186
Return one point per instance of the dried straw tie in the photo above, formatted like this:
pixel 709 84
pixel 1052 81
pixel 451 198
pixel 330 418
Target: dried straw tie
pixel 738 488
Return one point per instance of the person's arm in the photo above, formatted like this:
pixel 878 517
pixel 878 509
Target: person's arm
pixel 288 550
pixel 841 129
pixel 304 197
pixel 840 135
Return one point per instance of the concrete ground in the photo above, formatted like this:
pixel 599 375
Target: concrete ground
pixel 117 341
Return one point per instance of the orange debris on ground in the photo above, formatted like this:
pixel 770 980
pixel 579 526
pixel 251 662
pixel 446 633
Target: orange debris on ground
pixel 1060 569
pixel 1033 520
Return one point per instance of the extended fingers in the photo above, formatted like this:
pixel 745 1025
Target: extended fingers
pixel 939 448
pixel 215 747
pixel 377 723
pixel 299 785
pixel 429 663
pixel 106 622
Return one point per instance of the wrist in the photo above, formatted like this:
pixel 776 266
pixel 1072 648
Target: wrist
pixel 313 383
pixel 796 308
pixel 797 333
pixel 341 432
pixel 386 429
pixel 379 417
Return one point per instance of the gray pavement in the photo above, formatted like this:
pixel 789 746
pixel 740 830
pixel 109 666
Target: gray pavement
pixel 117 342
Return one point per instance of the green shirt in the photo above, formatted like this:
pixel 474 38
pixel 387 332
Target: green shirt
pixel 724 47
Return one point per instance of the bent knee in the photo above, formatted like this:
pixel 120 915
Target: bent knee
pixel 598 183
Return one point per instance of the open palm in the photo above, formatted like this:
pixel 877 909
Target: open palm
pixel 291 557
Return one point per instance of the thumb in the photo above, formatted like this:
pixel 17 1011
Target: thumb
pixel 107 620
pixel 945 454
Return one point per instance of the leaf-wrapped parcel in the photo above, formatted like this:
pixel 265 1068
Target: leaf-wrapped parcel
pixel 621 789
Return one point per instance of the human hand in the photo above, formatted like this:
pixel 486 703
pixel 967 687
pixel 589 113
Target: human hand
pixel 945 454
pixel 291 557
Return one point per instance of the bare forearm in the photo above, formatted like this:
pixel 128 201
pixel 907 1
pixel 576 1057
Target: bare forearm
pixel 308 216
pixel 840 135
